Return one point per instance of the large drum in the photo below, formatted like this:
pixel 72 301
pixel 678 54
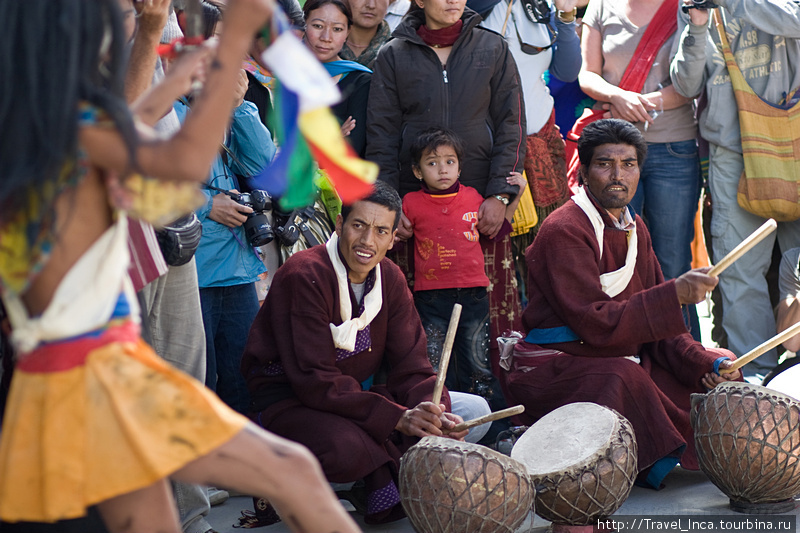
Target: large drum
pixel 582 462
pixel 448 486
pixel 748 443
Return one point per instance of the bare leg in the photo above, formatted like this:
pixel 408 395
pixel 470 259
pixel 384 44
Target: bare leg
pixel 150 509
pixel 262 464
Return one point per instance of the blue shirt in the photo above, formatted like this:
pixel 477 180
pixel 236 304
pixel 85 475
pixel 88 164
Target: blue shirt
pixel 224 257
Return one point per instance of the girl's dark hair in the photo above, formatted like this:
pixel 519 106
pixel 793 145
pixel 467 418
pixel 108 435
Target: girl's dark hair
pixel 344 7
pixel 54 54
pixel 212 14
pixel 430 140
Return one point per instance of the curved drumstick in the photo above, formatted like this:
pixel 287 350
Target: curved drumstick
pixel 757 236
pixel 764 347
pixel 448 347
pixel 491 417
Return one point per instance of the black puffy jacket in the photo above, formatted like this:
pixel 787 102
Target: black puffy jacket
pixel 477 95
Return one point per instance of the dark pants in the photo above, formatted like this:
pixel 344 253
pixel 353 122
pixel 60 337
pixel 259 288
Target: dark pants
pixel 228 313
pixel 468 369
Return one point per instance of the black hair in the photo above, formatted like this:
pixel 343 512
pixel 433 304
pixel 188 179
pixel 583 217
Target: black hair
pixel 610 131
pixel 431 139
pixel 54 54
pixel 212 14
pixel 344 7
pixel 382 194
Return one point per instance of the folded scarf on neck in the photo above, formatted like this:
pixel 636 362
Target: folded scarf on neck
pixel 614 282
pixel 344 335
pixel 443 37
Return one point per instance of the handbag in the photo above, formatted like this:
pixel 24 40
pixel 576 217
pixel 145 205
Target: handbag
pixel 525 216
pixel 660 28
pixel 768 186
pixel 179 240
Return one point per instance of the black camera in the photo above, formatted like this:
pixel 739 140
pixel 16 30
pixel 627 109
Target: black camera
pixel 699 4
pixel 257 228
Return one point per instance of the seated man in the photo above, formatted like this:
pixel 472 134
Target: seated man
pixel 335 316
pixel 603 325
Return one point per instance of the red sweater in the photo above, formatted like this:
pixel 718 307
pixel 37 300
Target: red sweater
pixel 447 251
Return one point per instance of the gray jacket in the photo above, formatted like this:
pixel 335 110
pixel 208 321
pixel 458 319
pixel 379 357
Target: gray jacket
pixel 765 39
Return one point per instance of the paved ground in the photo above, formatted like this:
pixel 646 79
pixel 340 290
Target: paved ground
pixel 687 496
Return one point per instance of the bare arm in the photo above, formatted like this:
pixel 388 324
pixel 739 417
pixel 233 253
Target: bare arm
pixel 152 17
pixel 629 105
pixel 789 315
pixel 189 154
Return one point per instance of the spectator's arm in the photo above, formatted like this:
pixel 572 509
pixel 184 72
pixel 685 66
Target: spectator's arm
pixel 152 17
pixel 776 17
pixel 507 115
pixel 250 141
pixel 688 67
pixel 384 119
pixel 566 61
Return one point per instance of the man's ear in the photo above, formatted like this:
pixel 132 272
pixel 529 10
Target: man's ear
pixel 394 236
pixel 339 224
pixel 581 170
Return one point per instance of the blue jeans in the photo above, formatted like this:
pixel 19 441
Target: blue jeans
pixel 468 369
pixel 667 196
pixel 228 313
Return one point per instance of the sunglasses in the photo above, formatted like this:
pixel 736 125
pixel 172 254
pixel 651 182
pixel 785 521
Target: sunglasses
pixel 530 49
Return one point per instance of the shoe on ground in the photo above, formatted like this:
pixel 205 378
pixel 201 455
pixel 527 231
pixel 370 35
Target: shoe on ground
pixel 217 496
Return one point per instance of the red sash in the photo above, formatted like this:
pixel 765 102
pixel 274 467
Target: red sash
pixel 661 27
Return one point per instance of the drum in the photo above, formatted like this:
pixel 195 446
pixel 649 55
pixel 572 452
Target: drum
pixel 582 462
pixel 447 486
pixel 748 443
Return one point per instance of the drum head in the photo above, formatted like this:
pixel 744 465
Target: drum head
pixel 785 378
pixel 568 436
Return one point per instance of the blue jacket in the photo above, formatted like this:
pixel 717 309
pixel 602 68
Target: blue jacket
pixel 224 258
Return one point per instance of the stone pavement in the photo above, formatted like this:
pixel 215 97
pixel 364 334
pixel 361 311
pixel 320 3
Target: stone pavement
pixel 686 494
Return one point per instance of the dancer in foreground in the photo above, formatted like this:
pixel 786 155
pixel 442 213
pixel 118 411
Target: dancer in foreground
pixel 94 417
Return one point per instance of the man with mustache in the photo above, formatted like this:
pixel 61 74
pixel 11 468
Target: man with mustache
pixel 602 324
pixel 337 358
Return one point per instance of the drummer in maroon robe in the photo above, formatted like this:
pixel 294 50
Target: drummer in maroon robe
pixel 336 315
pixel 602 324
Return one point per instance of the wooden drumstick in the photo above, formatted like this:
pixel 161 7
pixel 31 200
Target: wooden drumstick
pixel 448 347
pixel 491 417
pixel 757 236
pixel 508 13
pixel 764 347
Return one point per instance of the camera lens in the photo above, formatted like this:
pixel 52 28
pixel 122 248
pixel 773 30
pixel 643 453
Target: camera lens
pixel 258 230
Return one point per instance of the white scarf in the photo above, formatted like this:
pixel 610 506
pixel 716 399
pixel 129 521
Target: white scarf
pixel 85 299
pixel 344 335
pixel 615 282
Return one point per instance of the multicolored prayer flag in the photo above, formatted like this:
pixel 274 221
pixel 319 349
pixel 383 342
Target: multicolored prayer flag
pixel 306 129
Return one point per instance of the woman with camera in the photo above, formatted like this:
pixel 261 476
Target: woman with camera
pixel 328 24
pixel 227 263
pixel 626 56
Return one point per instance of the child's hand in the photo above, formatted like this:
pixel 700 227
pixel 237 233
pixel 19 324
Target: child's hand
pixel 515 178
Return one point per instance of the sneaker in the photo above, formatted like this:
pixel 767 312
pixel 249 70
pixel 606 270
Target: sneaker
pixel 217 496
pixel 506 439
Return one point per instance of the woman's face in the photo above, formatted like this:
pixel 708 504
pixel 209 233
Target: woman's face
pixel 326 32
pixel 442 13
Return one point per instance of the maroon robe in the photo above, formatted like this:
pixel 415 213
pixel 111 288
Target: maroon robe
pixel 564 268
pixel 302 392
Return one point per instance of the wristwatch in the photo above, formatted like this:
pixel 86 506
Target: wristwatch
pixel 502 199
pixel 567 16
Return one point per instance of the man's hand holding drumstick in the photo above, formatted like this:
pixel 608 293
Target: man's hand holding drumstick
pixel 427 419
pixel 431 418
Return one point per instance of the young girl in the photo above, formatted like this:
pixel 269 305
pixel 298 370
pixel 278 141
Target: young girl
pixel 94 417
pixel 448 261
